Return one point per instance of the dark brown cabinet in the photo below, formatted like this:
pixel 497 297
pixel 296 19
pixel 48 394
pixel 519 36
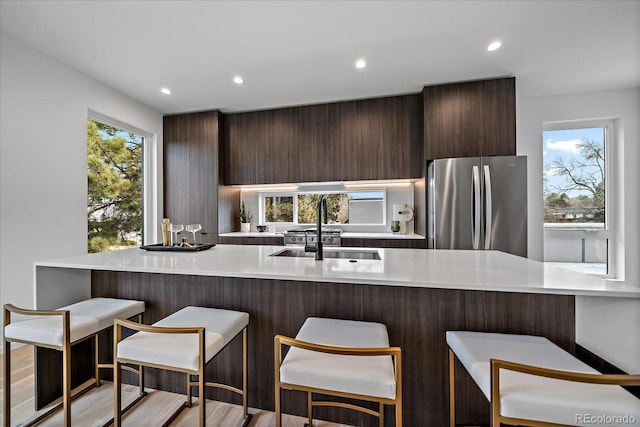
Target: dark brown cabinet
pixel 354 140
pixel 192 150
pixel 371 139
pixel 379 138
pixel 470 119
pixel 260 146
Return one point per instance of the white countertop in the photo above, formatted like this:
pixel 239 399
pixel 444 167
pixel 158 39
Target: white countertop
pixel 448 269
pixel 344 235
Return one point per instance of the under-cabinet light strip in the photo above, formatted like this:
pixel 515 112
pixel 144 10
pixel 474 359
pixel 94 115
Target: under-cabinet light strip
pixel 379 185
pixel 267 188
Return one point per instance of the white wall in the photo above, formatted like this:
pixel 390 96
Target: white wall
pixel 608 327
pixel 43 160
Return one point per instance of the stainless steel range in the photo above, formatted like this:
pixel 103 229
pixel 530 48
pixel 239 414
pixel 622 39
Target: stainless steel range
pixel 308 236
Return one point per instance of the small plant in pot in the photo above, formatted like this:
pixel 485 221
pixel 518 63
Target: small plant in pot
pixel 245 218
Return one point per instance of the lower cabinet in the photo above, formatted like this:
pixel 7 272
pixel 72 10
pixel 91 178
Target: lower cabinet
pixel 270 241
pixel 385 243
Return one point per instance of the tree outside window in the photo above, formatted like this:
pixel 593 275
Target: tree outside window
pixel 577 230
pixel 114 200
pixel 350 207
pixel 574 177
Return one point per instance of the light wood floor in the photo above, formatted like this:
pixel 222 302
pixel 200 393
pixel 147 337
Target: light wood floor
pixel 95 407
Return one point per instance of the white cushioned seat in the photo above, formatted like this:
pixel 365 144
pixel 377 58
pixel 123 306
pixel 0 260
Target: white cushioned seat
pixel 370 376
pixel 181 350
pixel 104 310
pixel 86 318
pixel 533 397
pixel 48 330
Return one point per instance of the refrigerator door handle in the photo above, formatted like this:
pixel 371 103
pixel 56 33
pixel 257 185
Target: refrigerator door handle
pixel 488 206
pixel 475 207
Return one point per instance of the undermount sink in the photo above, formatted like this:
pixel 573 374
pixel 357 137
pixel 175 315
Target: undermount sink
pixel 330 253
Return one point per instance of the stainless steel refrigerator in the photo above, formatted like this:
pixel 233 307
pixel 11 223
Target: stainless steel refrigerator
pixel 478 203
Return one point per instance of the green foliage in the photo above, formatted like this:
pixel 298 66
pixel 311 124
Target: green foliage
pixel 114 201
pixel 278 208
pixel 337 206
pixel 245 214
pixel 99 244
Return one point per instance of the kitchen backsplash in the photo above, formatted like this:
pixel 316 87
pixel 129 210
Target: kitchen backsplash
pixel 394 193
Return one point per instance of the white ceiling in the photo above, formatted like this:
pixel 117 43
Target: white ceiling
pixel 303 52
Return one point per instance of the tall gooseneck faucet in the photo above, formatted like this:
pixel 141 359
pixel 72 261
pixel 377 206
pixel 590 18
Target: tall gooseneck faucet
pixel 321 208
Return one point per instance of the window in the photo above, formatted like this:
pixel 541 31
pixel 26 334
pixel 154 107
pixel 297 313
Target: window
pixel 115 187
pixel 577 201
pixel 278 209
pixel 349 207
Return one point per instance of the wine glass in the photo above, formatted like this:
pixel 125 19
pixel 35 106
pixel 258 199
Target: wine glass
pixel 193 228
pixel 176 228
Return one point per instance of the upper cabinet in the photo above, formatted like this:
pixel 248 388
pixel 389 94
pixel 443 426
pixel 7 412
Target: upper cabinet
pixel 371 139
pixel 343 141
pixel 470 119
pixel 379 138
pixel 192 151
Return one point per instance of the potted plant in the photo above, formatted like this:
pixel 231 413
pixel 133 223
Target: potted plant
pixel 245 218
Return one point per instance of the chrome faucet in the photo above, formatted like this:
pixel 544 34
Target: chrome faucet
pixel 321 208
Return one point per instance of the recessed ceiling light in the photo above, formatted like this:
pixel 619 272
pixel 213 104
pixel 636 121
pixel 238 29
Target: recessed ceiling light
pixel 166 91
pixel 361 63
pixel 494 46
pixel 238 80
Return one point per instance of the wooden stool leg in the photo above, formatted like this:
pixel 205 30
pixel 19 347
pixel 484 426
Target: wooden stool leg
pixel 6 386
pixel 381 416
pixel 140 380
pixel 97 362
pixel 202 399
pixel 188 391
pixel 66 383
pixel 244 374
pixel 117 398
pixel 278 415
pixel 66 368
pixel 140 368
pixel 310 408
pixel 452 390
pixel 276 359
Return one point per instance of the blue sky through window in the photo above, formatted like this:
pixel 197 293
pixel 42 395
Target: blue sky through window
pixel 564 144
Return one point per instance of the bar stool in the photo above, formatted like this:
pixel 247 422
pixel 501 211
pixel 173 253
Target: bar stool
pixel 530 381
pixel 341 358
pixel 59 330
pixel 184 342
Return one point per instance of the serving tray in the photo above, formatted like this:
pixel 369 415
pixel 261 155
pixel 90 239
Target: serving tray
pixel 195 248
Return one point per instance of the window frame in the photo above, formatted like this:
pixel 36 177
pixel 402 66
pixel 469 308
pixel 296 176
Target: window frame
pixel 295 194
pixel 150 171
pixel 609 231
pixel 261 205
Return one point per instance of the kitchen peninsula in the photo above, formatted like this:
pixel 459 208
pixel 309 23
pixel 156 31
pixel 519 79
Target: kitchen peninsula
pixel 417 294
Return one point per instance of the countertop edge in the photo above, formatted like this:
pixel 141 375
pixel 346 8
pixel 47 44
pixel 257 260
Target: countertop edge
pixel 628 292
